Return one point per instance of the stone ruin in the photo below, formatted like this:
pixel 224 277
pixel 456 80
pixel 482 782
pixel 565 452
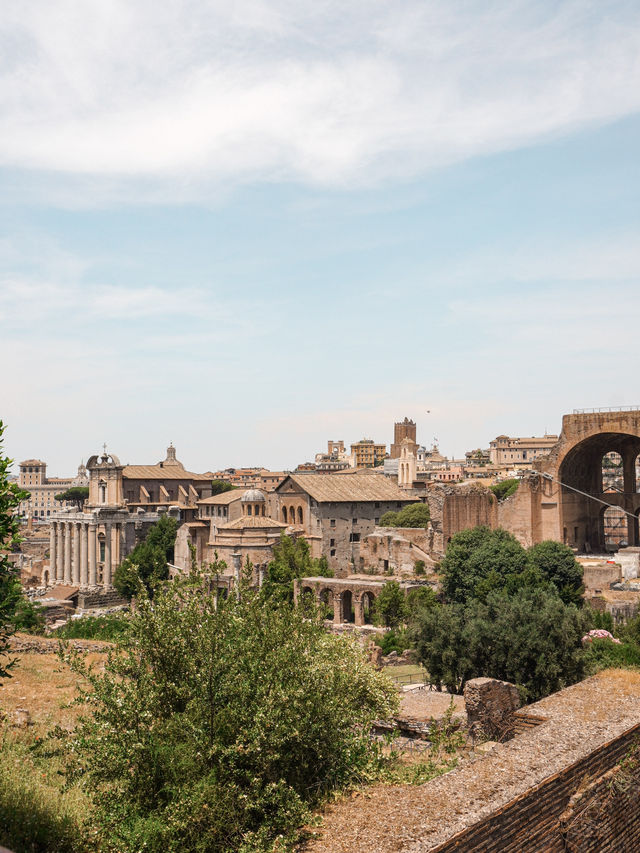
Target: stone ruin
pixel 490 706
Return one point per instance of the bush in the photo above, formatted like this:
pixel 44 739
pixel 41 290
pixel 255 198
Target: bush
pixel 505 489
pixel 390 605
pixel 419 567
pixel 603 654
pixel 413 515
pixel 112 627
pixel 217 728
pixel 392 641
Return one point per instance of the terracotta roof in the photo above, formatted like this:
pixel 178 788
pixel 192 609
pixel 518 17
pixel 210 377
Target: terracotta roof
pixel 155 472
pixel 32 462
pixel 224 498
pixel 326 488
pixel 252 521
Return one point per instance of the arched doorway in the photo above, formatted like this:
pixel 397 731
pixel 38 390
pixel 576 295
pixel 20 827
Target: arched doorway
pixel 326 603
pixel 307 600
pixel 599 470
pixel 368 606
pixel 348 614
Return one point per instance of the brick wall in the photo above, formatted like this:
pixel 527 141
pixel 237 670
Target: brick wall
pixel 534 821
pixel 605 817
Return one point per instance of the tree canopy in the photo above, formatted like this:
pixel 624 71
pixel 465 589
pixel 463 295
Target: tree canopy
pixel 390 605
pixel 530 638
pixel 217 726
pixel 75 494
pixel 291 559
pixel 480 560
pixel 412 515
pixel 14 608
pixel 220 486
pixel 148 562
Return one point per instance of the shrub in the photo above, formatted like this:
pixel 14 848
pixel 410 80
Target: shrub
pixel 111 627
pixel 505 489
pixel 419 567
pixel 390 605
pixel 603 654
pixel 392 641
pixel 217 727
pixel 413 515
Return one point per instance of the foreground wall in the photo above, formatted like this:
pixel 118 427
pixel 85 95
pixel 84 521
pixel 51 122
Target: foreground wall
pixel 538 821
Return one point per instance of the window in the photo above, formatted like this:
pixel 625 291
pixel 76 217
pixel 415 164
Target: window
pixel 355 537
pixel 333 552
pixel 332 523
pixel 332 543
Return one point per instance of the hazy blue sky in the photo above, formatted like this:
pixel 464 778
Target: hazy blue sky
pixel 250 227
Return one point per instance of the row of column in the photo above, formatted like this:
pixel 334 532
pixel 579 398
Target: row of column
pixel 74 552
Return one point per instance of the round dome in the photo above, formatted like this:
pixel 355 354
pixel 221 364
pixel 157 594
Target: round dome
pixel 252 496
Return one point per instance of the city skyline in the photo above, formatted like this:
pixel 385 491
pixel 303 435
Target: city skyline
pixel 250 230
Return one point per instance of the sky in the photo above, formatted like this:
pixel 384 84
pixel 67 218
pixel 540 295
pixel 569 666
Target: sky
pixel 248 228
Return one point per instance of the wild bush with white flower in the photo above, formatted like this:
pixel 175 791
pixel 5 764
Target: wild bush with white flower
pixel 216 727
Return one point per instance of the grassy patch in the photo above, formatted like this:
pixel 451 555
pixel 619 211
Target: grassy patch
pixel 111 627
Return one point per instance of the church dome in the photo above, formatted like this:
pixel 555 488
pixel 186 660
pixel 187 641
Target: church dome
pixel 252 496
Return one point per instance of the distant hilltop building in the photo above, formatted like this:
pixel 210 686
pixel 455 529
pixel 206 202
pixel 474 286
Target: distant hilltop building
pixel 367 454
pixel 506 452
pixel 41 503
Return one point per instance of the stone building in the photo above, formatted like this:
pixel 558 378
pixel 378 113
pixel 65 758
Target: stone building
pixel 401 430
pixel 367 454
pixel 124 501
pixel 335 512
pixel 41 503
pixel 506 452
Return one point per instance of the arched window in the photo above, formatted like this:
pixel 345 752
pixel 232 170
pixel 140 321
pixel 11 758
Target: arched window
pixel 284 514
pixel 299 515
pixel 249 509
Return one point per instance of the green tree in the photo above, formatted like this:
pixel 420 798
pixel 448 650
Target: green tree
pixel 412 515
pixel 148 562
pixel 291 560
pixel 557 563
pixel 505 488
pixel 10 588
pixel 480 560
pixel 391 605
pixel 75 494
pixel 217 728
pixel 220 486
pixel 530 638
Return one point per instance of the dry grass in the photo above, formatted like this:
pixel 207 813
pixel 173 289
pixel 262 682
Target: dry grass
pixel 45 686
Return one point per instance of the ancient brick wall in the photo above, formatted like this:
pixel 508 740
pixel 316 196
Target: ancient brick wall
pixel 606 815
pixel 535 821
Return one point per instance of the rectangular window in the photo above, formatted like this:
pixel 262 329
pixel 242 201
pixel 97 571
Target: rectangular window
pixel 333 552
pixel 332 523
pixel 332 543
pixel 355 537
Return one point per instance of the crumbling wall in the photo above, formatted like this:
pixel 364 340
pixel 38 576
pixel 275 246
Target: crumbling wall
pixel 490 705
pixel 605 816
pixel 456 508
pixel 533 822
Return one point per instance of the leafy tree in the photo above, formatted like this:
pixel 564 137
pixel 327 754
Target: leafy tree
pixel 291 559
pixel 556 563
pixel 530 638
pixel 217 728
pixel 10 587
pixel 390 605
pixel 148 562
pixel 505 488
pixel 480 560
pixel 417 599
pixel 220 486
pixel 412 515
pixel 75 494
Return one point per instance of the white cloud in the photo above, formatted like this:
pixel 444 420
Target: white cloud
pixel 189 94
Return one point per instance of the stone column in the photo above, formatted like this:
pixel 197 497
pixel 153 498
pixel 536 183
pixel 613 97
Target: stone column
pixel 76 553
pixel 84 577
pixel 52 553
pixel 358 607
pixel 59 553
pixel 93 543
pixel 106 574
pixel 337 608
pixel 67 553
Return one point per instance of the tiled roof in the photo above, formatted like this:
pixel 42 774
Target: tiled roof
pixel 223 499
pixel 329 488
pixel 155 472
pixel 32 462
pixel 252 521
